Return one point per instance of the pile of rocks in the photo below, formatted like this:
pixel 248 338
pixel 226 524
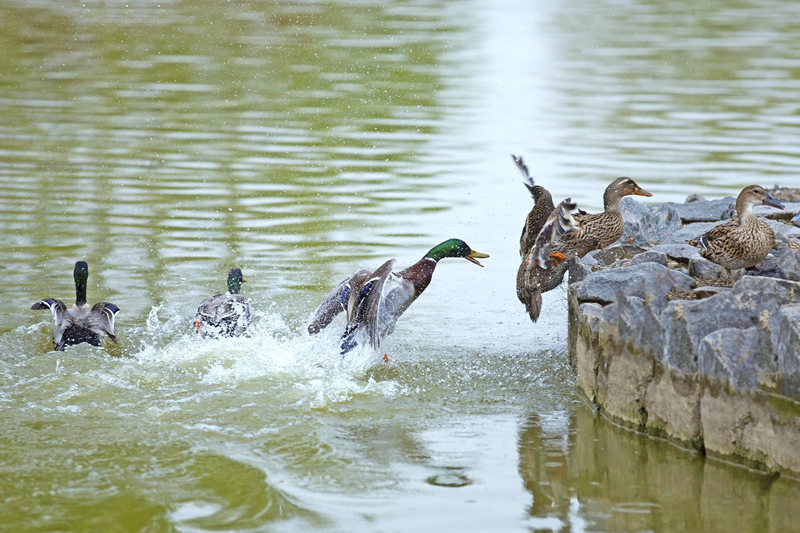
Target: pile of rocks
pixel 659 343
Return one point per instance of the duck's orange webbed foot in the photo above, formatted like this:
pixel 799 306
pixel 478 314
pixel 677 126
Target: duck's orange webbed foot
pixel 386 358
pixel 557 258
pixel 197 326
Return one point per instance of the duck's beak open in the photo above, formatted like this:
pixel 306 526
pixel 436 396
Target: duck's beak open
pixel 638 191
pixel 474 256
pixel 769 200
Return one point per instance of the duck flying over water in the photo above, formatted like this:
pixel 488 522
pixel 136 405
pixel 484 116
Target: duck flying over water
pixel 744 241
pixel 225 314
pixel 373 301
pixel 80 322
pixel 579 234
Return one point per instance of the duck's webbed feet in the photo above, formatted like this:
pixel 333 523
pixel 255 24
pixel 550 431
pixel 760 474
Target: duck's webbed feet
pixel 557 258
pixel 349 339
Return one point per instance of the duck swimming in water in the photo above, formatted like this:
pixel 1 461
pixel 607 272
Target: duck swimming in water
pixel 744 241
pixel 225 314
pixel 80 322
pixel 373 301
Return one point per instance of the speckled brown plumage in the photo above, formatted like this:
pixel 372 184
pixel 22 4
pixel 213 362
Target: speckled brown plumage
pixel 542 207
pixel 744 241
pixel 595 231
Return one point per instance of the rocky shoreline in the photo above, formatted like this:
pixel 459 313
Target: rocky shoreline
pixel 661 343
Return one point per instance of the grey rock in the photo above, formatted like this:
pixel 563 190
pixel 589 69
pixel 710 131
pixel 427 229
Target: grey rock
pixel 786 265
pixel 689 231
pixel 649 281
pixel 645 225
pixel 789 210
pixel 788 349
pixel 650 256
pixel 681 252
pixel 589 259
pixel 639 326
pixel 753 301
pixel 633 213
pixel 796 220
pixel 578 271
pixel 736 357
pixel 707 291
pixel 702 268
pixel 782 230
pixel 708 211
pixel 695 197
pixel 616 253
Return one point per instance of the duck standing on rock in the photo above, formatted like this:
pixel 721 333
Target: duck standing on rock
pixel 225 314
pixel 373 301
pixel 583 233
pixel 744 241
pixel 81 322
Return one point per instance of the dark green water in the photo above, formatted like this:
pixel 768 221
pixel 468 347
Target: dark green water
pixel 166 142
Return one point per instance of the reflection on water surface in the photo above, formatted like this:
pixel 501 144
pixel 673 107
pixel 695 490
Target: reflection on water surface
pixel 167 142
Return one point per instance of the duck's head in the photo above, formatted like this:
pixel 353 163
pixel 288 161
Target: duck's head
pixel 455 248
pixel 755 195
pixel 81 277
pixel 235 280
pixel 622 187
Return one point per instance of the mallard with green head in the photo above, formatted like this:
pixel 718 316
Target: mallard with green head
pixel 225 314
pixel 744 241
pixel 80 322
pixel 579 235
pixel 373 301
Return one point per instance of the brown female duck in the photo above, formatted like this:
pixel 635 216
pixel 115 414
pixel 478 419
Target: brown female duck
pixel 541 210
pixel 593 231
pixel 538 215
pixel 744 241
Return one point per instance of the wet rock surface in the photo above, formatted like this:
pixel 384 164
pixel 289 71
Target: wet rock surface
pixel 659 342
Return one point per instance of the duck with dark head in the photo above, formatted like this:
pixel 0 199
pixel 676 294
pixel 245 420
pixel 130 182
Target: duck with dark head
pixel 225 314
pixel 373 301
pixel 80 322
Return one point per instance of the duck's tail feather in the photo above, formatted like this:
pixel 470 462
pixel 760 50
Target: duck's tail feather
pixel 534 303
pixel 527 179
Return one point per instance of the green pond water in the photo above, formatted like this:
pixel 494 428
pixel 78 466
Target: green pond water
pixel 165 142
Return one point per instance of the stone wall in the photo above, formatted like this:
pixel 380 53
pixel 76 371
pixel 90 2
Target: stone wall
pixel 715 368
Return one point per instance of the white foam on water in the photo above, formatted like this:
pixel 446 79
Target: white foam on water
pixel 311 365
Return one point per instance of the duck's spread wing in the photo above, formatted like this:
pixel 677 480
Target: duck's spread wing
pixel 60 318
pixel 57 307
pixel 369 313
pixel 102 318
pixel 333 305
